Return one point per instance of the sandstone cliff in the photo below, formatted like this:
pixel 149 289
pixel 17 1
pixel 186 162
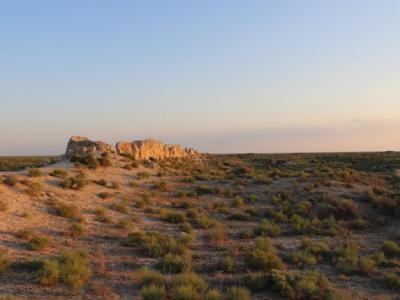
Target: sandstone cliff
pixel 139 150
pixel 152 149
pixel 79 145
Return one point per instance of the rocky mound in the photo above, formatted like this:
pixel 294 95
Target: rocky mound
pixel 152 149
pixel 79 145
pixel 139 150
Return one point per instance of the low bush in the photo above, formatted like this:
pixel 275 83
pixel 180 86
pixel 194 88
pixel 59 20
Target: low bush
pixel 71 268
pixel 3 206
pixel 155 244
pixel 171 263
pixel 4 261
pixel 175 217
pixel 238 293
pixel 226 264
pixel 34 188
pixel 34 172
pixel 59 173
pixel 147 277
pixel 153 292
pixel 76 182
pixel 67 210
pixel 390 280
pixel 11 180
pixel 391 248
pixel 38 243
pixel 266 228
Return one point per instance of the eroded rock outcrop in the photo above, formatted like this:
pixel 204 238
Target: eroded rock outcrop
pixel 151 148
pixel 79 145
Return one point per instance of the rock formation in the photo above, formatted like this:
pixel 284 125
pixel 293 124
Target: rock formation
pixel 150 148
pixel 79 145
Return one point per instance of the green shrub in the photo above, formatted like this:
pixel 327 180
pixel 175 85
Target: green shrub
pixel 189 279
pixel 204 190
pixel 147 277
pixel 171 263
pixel 34 172
pixel 3 206
pixel 204 222
pixel 11 180
pixel 185 292
pixel 312 285
pixel 153 292
pixel 214 295
pixel 67 210
pixel 38 243
pixel 71 267
pixel 304 258
pixel 345 257
pixel 237 202
pixel 104 195
pixel 155 244
pixel 266 228
pixel 121 207
pixel 216 234
pixel 227 264
pixel 260 260
pixel 240 216
pixel 256 281
pixel 101 215
pixel 175 217
pixel 59 173
pixel 34 188
pixel 238 293
pixel 390 280
pixel 4 261
pixel 76 182
pixel 77 229
pixel 391 248
pixel 142 175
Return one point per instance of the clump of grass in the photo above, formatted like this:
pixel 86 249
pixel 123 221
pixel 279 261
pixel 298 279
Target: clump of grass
pixel 34 172
pixel 238 293
pixel 11 180
pixel 155 244
pixel 171 263
pixel 77 229
pixel 267 228
pixel 143 175
pixel 227 264
pixel 76 182
pixel 101 215
pixel 104 195
pixel 4 261
pixel 71 268
pixel 59 173
pixel 175 217
pixel 38 242
pixel 3 206
pixel 34 188
pixel 146 277
pixel 153 292
pixel 121 206
pixel 67 210
pixel 391 248
pixel 390 280
pixel 262 257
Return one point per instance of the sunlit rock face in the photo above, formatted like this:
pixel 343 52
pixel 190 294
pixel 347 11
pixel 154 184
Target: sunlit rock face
pixel 79 145
pixel 151 148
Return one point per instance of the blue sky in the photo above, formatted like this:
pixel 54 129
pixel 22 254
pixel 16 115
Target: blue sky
pixel 221 76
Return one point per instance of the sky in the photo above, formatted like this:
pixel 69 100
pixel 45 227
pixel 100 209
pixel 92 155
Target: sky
pixel 223 76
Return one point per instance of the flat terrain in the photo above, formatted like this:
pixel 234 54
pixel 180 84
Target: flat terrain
pixel 254 226
pixel 13 163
